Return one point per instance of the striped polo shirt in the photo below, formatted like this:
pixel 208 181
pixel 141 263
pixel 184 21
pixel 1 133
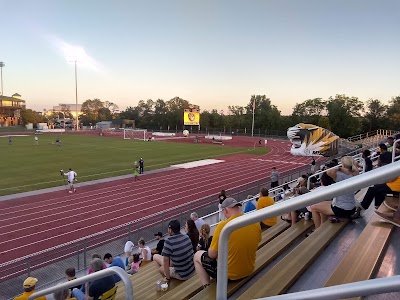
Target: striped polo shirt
pixel 179 249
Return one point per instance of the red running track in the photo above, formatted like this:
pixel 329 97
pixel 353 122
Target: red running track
pixel 39 222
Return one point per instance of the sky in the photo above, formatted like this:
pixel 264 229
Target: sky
pixel 209 52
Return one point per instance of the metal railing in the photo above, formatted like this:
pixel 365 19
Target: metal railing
pixel 354 289
pixel 89 278
pixel 385 173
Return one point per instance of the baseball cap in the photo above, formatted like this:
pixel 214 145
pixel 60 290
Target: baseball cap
pixel 158 234
pixel 230 202
pixel 30 282
pixel 175 225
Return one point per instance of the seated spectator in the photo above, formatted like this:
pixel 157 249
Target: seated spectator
pixel 102 285
pixel 133 264
pixel 85 286
pixel 193 233
pixel 145 252
pixel 76 294
pixel 160 243
pixel 70 274
pixel 199 222
pixel 114 262
pixel 378 192
pixel 293 216
pixel 263 202
pixel 390 141
pixel 177 250
pixel 385 157
pixel 128 249
pixel 367 160
pixel 342 206
pixel 250 206
pixel 29 286
pixel 243 244
pixel 205 238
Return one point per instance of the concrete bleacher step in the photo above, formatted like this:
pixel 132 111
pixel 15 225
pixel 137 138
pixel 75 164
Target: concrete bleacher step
pixel 190 287
pixel 365 255
pixel 265 255
pixel 282 276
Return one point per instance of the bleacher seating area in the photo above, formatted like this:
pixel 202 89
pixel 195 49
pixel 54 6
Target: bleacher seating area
pixel 284 256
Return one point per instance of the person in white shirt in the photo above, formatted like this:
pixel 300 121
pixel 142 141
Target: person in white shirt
pixel 71 178
pixel 198 222
pixel 36 140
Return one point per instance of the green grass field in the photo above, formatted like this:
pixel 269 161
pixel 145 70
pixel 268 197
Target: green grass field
pixel 27 166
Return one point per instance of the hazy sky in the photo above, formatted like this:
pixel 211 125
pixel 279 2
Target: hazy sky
pixel 209 52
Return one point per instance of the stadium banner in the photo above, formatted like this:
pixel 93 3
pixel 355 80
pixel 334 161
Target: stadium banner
pixel 191 118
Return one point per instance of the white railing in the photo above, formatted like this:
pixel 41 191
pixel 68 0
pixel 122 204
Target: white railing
pixel 385 173
pixel 88 278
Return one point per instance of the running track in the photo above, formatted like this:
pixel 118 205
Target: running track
pixel 36 223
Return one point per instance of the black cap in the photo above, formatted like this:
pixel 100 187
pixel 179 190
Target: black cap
pixel 158 234
pixel 175 226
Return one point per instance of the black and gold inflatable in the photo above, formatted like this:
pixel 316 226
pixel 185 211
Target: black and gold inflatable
pixel 312 140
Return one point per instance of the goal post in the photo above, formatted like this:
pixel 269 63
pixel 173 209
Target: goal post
pixel 135 134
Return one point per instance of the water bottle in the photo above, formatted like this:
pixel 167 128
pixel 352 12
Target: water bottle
pixel 158 286
pixel 307 216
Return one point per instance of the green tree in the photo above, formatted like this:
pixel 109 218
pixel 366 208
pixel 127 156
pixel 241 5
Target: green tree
pixel 310 111
pixel 344 115
pixel 30 116
pixel 393 112
pixel 90 111
pixel 375 116
pixel 266 115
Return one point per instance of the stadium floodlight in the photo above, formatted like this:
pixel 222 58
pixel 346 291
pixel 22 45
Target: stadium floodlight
pixel 135 134
pixel 1 71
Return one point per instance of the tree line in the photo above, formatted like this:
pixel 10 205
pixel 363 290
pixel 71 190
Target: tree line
pixel 342 114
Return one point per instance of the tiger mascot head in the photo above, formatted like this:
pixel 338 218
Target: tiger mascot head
pixel 312 140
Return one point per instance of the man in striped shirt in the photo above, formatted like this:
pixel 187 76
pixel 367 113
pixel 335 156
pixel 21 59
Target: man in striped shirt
pixel 178 252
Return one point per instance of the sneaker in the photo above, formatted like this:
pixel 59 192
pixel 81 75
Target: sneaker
pixel 389 218
pixel 357 213
pixel 391 203
pixel 74 190
pixel 70 192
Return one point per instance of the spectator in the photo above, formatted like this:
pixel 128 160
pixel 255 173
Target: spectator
pixel 114 262
pixel 205 238
pixel 199 222
pixel 193 233
pixel 390 141
pixel 128 249
pixel 249 205
pixel 67 294
pixel 243 244
pixel 70 275
pixel 145 252
pixel 263 202
pixel 394 217
pixel 134 264
pixel 378 192
pixel 177 250
pixel 367 160
pixel 29 288
pixel 160 244
pixel 342 206
pixel 221 198
pixel 274 178
pixel 102 285
pixel 385 157
pixel 85 286
pixel 313 166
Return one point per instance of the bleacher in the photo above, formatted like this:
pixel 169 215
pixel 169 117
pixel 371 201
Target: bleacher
pixel 285 254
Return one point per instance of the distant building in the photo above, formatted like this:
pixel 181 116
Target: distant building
pixel 61 108
pixel 104 125
pixel 10 110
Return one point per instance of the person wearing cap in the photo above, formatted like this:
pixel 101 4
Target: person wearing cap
pixel 178 250
pixel 141 166
pixel 160 244
pixel 243 244
pixel 29 286
pixel 263 202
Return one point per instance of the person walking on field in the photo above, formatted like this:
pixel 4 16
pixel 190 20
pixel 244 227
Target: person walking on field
pixel 274 178
pixel 135 171
pixel 313 166
pixel 71 178
pixel 141 166
pixel 36 140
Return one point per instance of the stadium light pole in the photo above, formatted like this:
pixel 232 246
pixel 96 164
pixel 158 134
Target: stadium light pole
pixel 1 71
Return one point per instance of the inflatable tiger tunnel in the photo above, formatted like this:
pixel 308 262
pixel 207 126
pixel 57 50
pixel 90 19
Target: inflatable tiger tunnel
pixel 312 140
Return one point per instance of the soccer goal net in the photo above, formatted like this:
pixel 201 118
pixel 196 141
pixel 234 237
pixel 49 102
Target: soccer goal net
pixel 135 134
